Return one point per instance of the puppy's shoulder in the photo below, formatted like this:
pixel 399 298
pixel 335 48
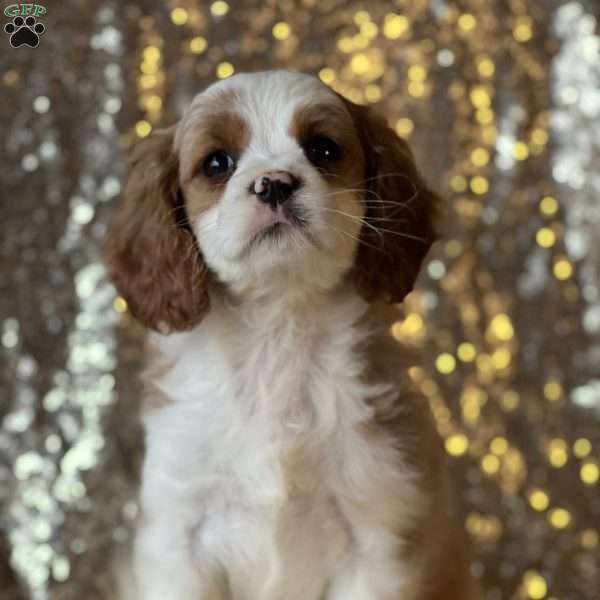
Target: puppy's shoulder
pixel 403 412
pixel 385 357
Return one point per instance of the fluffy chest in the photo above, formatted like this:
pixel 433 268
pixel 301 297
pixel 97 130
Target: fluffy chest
pixel 240 403
pixel 259 384
pixel 249 452
pixel 277 530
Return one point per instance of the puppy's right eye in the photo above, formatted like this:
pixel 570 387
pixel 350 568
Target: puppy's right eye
pixel 218 164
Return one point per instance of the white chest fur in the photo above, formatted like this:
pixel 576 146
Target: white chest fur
pixel 255 465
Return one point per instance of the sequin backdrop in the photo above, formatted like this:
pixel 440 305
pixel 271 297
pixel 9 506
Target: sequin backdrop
pixel 501 102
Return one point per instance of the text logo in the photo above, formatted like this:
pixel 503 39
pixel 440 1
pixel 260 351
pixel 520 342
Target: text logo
pixel 24 29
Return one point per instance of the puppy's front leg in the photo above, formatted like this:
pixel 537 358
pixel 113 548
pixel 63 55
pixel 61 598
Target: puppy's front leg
pixel 164 565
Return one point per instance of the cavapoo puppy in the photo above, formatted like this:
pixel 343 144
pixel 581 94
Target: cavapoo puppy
pixel 263 238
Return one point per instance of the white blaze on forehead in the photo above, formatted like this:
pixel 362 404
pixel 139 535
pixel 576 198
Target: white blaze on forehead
pixel 268 102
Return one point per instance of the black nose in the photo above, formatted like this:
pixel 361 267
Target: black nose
pixel 275 188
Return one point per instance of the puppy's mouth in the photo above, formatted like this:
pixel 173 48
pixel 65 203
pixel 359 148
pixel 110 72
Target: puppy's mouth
pixel 273 232
pixel 274 224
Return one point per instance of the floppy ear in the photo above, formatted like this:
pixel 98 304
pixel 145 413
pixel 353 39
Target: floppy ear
pixel 399 208
pixel 151 252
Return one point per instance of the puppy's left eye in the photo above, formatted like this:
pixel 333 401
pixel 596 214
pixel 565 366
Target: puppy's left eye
pixel 218 163
pixel 321 150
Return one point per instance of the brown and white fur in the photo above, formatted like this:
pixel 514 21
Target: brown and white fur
pixel 287 456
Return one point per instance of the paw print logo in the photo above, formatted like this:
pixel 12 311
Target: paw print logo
pixel 24 32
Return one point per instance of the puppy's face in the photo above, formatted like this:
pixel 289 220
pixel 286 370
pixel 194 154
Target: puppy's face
pixel 270 182
pixel 271 168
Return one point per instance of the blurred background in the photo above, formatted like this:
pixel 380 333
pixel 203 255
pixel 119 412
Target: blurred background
pixel 500 100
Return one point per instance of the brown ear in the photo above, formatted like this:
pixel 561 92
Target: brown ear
pixel 400 210
pixel 150 250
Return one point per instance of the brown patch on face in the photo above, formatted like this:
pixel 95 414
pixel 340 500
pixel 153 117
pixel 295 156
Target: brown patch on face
pixel 214 124
pixel 151 251
pixel 333 121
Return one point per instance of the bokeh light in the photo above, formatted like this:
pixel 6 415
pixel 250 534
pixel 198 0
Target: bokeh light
pixel 500 105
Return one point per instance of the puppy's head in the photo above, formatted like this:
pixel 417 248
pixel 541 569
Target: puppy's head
pixel 271 181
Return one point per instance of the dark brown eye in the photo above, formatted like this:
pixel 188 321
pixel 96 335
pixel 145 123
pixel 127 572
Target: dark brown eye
pixel 218 164
pixel 321 150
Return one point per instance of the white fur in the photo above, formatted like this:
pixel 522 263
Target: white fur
pixel 258 482
pixel 249 388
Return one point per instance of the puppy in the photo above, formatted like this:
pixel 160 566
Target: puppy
pixel 262 238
